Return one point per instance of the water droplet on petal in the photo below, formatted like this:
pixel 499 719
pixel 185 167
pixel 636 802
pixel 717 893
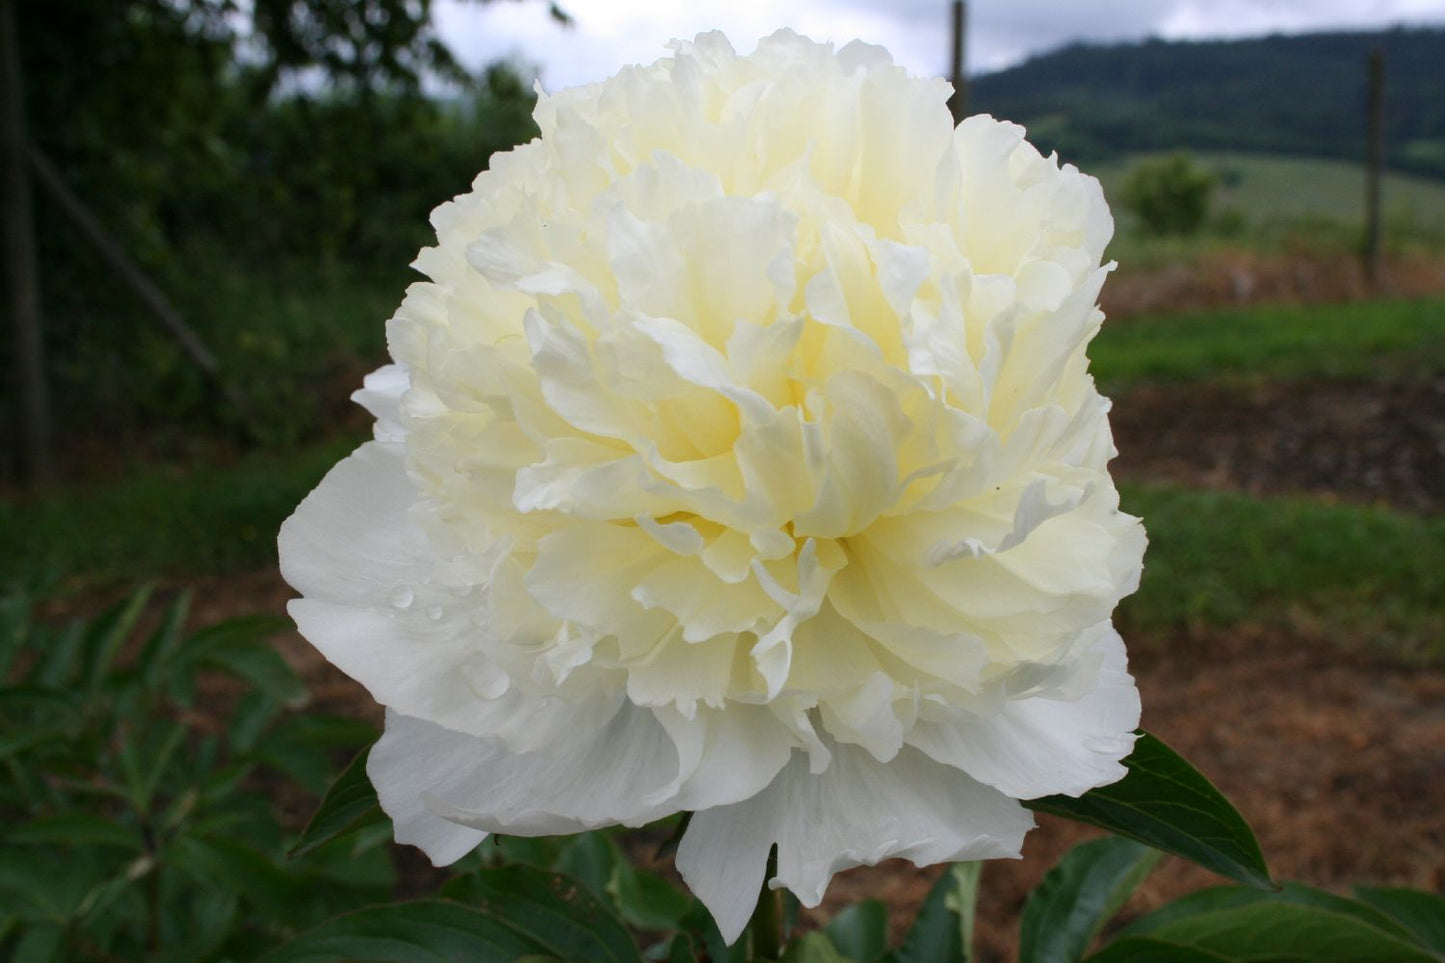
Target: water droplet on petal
pixel 488 680
pixel 402 596
pixel 434 612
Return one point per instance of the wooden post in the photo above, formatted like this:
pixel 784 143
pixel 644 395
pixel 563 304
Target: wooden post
pixel 1375 159
pixel 22 274
pixel 958 103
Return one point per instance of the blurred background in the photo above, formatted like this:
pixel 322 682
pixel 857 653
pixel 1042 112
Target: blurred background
pixel 209 206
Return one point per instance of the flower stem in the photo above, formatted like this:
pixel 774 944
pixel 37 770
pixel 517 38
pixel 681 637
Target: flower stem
pixel 767 921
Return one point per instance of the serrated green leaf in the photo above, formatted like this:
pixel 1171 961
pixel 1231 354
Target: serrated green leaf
pixel 349 805
pixel 1079 895
pixel 1271 931
pixel 559 913
pixel 1421 914
pixel 425 931
pixel 76 828
pixel 1166 803
pixel 936 935
pixel 860 931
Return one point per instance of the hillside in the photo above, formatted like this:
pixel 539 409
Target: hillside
pixel 1294 95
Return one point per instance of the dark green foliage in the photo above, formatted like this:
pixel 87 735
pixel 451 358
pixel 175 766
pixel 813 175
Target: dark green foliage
pixel 1279 94
pixel 1170 195
pixel 135 824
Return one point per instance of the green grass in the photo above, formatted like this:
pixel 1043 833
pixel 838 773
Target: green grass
pixel 163 522
pixel 1350 572
pixel 1354 339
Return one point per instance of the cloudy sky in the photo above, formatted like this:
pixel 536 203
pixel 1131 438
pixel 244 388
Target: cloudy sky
pixel 610 33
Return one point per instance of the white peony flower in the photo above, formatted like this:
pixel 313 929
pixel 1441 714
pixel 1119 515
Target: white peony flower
pixel 740 457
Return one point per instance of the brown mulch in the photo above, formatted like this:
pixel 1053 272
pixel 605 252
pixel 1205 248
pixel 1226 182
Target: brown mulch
pixel 1359 441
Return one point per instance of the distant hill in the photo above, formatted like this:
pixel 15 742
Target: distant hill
pixel 1293 95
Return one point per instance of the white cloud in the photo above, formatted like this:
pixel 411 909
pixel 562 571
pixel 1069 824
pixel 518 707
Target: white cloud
pixel 610 33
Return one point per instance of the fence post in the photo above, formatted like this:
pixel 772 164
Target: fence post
pixel 958 103
pixel 22 273
pixel 1375 159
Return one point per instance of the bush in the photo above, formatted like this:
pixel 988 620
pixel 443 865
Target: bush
pixel 1170 195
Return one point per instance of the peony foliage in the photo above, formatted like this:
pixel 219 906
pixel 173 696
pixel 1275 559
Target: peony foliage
pixel 739 457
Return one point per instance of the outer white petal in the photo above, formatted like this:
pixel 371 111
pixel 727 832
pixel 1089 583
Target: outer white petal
pixel 857 812
pixel 1047 743
pixel 380 394
pixel 352 539
pixel 598 778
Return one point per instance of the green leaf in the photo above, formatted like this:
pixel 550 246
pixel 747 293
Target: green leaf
pixel 255 713
pixel 813 948
pixel 557 912
pixel 57 667
pixel 1065 913
pixel 233 867
pixel 700 924
pixel 860 931
pixel 646 900
pixel 425 931
pixel 1273 931
pixel 156 655
pixel 262 666
pixel 591 859
pixel 108 633
pixel 76 828
pixel 348 805
pixel 40 944
pixel 936 935
pixel 1233 897
pixel 1420 913
pixel 680 949
pixel 1166 803
pixel 1144 949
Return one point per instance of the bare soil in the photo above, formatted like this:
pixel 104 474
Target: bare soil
pixel 1353 440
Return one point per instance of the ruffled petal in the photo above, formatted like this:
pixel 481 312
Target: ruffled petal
pixel 1042 743
pixel 858 812
pixel 598 778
